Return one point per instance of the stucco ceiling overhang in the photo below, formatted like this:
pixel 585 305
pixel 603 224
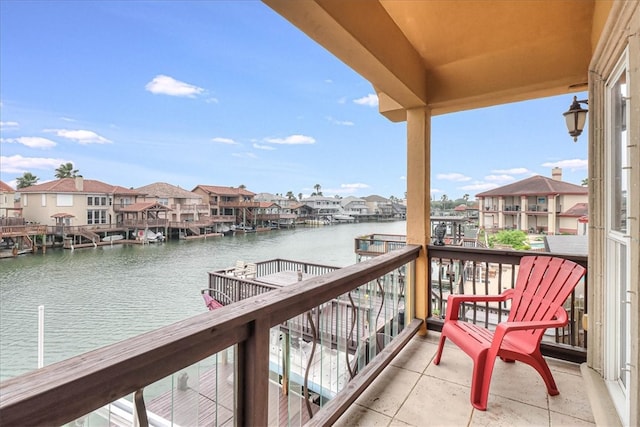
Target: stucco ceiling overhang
pixel 456 55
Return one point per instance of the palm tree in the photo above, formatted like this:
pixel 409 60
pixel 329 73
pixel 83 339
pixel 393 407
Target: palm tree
pixel 466 198
pixel 66 170
pixel 290 195
pixel 444 199
pixel 300 196
pixel 585 182
pixel 26 180
pixel 242 186
pixel 317 187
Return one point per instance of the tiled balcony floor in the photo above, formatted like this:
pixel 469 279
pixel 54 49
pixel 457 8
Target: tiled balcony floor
pixel 412 391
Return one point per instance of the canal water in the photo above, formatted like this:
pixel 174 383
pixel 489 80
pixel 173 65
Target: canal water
pixel 98 296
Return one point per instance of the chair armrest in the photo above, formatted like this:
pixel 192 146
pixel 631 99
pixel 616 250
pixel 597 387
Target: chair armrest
pixel 561 320
pixel 505 327
pixel 454 301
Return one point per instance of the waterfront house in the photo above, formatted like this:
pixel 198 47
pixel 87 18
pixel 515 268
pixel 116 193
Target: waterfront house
pixel 282 213
pixel 7 201
pixel 428 58
pixel 322 206
pixel 185 205
pixel 354 206
pixel 228 205
pixel 75 202
pixel 380 207
pixel 536 204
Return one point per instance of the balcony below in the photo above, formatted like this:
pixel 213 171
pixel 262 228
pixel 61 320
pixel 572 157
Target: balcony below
pixel 412 391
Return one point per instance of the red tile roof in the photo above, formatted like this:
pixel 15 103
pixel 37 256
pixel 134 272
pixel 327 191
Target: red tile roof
pixel 4 187
pixel 68 185
pixel 577 210
pixel 536 185
pixel 145 206
pixel 224 191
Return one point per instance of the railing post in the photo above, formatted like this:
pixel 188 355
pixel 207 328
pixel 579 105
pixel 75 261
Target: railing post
pixel 252 377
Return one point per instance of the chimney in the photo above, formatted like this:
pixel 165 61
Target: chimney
pixel 556 174
pixel 79 183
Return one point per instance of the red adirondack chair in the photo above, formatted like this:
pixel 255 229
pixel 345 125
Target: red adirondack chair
pixel 542 286
pixel 214 303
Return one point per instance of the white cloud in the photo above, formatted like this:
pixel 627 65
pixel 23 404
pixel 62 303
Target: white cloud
pixel 19 164
pixel 499 178
pixel 436 190
pixel 245 155
pixel 263 147
pixel 479 186
pixel 403 178
pixel 67 119
pixel 80 136
pixel 165 85
pixel 457 177
pixel 345 189
pixel 340 122
pixel 222 140
pixel 292 140
pixel 7 125
pixel 512 171
pixel 572 164
pixel 31 141
pixel 354 186
pixel 370 100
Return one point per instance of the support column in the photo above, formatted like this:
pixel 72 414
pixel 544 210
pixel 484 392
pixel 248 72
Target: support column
pixel 419 201
pixel 551 215
pixel 524 220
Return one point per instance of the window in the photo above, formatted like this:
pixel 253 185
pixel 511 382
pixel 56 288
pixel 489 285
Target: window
pixel 96 217
pixel 617 253
pixel 64 200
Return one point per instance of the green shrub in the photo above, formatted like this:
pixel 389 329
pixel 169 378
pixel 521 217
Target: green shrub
pixel 517 239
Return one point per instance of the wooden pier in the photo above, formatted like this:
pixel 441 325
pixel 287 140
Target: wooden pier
pixel 209 400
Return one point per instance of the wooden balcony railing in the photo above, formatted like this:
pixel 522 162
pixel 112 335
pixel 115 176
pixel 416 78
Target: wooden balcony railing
pixel 63 392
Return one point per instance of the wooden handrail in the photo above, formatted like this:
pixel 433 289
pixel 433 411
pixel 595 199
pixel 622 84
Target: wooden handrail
pixel 64 391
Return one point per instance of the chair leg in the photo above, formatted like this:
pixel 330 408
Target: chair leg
pixel 443 337
pixel 540 365
pixel 481 380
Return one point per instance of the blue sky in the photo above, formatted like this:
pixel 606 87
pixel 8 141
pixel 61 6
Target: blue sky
pixel 229 93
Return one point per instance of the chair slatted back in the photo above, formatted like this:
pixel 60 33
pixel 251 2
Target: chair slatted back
pixel 544 283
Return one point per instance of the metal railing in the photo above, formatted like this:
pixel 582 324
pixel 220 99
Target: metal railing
pixel 468 269
pixel 376 244
pixel 480 271
pixel 65 391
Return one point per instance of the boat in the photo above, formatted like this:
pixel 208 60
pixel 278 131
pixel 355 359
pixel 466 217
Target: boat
pixel 244 228
pixel 343 218
pixel 112 238
pixel 317 221
pixel 151 236
pixel 226 230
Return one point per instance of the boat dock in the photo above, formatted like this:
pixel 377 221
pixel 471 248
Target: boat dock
pixel 208 400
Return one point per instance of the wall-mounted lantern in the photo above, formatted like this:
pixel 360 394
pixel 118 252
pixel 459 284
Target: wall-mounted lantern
pixel 576 117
